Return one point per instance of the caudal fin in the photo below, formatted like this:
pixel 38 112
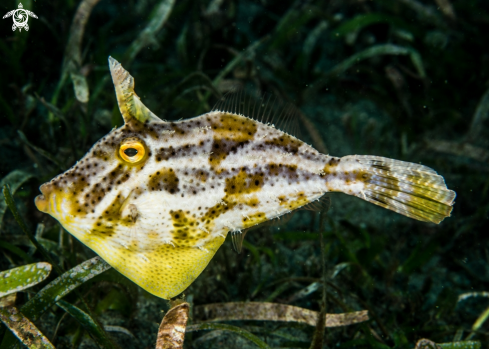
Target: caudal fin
pixel 412 190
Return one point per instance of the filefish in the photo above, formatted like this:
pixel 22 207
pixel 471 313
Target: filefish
pixel 156 199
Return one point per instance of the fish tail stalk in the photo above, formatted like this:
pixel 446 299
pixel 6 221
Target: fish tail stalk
pixel 413 190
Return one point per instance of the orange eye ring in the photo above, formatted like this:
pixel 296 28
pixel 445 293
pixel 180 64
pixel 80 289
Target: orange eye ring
pixel 132 150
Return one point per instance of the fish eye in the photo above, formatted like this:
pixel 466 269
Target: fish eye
pixel 132 150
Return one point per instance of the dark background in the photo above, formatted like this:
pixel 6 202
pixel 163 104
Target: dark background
pixel 406 79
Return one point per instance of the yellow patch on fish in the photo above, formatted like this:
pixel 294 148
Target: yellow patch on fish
pixel 156 199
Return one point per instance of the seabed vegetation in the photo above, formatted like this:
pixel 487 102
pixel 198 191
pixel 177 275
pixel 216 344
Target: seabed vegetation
pixel 405 79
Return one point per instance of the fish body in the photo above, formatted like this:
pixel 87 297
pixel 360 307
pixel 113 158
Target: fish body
pixel 156 199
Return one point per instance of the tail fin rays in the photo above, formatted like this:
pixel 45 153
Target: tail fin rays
pixel 413 190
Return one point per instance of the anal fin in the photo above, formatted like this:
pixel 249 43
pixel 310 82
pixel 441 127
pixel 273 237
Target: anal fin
pixel 322 204
pixel 237 237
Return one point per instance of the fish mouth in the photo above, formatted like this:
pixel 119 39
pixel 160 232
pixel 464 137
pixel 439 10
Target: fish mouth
pixel 42 201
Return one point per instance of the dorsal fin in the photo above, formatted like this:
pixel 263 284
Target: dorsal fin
pixel 268 109
pixel 130 105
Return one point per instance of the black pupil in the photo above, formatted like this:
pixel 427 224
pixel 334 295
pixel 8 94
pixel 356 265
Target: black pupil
pixel 130 152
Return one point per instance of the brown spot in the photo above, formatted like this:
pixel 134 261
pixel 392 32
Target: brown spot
pixel 279 169
pixel 254 219
pixel 164 179
pixel 137 127
pixel 228 136
pixel 242 183
pixel 330 166
pixel 111 214
pixel 287 143
pixel 202 175
pixel 185 233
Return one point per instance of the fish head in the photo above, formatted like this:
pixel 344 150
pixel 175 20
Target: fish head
pixel 107 200
pixel 93 184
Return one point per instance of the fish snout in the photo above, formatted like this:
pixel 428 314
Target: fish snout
pixel 42 201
